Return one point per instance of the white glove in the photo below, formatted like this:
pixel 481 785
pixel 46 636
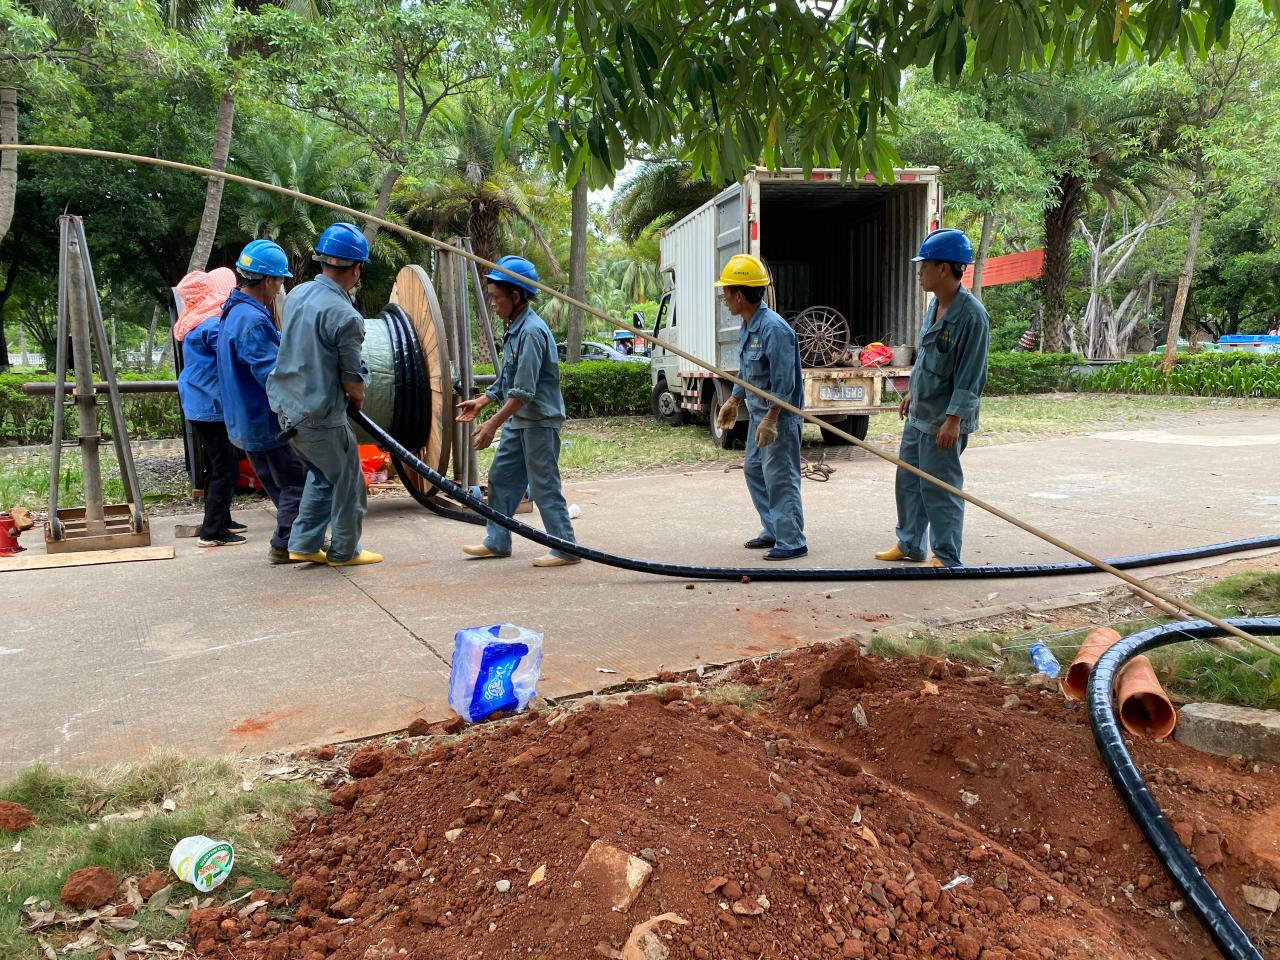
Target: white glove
pixel 766 432
pixel 727 416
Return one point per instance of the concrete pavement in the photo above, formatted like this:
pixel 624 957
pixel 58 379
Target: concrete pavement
pixel 218 651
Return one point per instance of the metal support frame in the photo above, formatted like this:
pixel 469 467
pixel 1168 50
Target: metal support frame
pixel 95 526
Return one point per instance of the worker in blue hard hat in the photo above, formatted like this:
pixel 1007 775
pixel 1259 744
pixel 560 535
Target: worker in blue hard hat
pixel 768 358
pixel 247 346
pixel 941 404
pixel 531 416
pixel 321 369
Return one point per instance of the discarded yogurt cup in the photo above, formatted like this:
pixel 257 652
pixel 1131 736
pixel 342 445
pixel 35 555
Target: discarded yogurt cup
pixel 202 862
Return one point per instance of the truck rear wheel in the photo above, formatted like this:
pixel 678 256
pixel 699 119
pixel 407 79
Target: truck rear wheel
pixel 666 405
pixel 735 438
pixel 856 424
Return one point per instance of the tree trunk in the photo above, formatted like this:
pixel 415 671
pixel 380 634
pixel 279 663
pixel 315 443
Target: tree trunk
pixel 149 347
pixel 577 269
pixel 8 159
pixel 1184 279
pixel 389 180
pixel 984 246
pixel 9 281
pixel 213 189
pixel 1059 221
pixel 485 230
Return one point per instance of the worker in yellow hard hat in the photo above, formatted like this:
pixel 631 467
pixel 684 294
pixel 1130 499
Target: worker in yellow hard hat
pixel 768 358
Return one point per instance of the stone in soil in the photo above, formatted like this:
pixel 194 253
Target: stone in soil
pixel 151 884
pixel 15 817
pixel 367 762
pixel 615 876
pixel 89 888
pixel 419 728
pixel 325 753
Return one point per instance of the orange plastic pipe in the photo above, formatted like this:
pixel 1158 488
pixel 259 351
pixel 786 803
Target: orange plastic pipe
pixel 1076 679
pixel 1145 709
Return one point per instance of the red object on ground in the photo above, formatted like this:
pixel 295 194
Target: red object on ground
pixel 9 536
pixel 372 459
pixel 1009 269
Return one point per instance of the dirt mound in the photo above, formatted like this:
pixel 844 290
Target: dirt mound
pixel 794 832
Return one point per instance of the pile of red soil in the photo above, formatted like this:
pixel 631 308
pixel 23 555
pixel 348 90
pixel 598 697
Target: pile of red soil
pixel 796 832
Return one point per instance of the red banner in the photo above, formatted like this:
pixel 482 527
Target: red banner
pixel 1009 269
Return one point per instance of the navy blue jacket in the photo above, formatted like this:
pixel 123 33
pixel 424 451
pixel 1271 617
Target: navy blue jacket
pixel 198 382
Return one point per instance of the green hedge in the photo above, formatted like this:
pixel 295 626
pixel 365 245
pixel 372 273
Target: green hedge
pixel 29 420
pixel 599 388
pixel 1009 372
pixel 1197 375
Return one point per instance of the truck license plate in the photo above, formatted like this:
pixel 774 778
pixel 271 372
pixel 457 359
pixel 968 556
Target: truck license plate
pixel 842 392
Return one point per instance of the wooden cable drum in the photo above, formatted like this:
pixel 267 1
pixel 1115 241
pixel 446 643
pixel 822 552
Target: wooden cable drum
pixel 413 295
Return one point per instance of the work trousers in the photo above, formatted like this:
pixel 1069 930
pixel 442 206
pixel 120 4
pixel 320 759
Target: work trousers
pixel 283 474
pixel 773 480
pixel 221 468
pixel 925 510
pixel 335 496
pixel 528 458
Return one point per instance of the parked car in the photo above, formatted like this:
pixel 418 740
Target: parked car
pixel 594 350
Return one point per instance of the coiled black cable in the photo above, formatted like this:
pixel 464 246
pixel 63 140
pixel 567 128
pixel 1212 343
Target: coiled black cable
pixel 411 417
pixel 404 458
pixel 1228 936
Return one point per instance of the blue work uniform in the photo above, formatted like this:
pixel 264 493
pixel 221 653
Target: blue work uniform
pixel 321 348
pixel 946 380
pixel 198 383
pixel 247 346
pixel 528 456
pixel 769 358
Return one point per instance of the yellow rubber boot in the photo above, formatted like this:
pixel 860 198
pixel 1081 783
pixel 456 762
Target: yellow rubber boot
pixel 935 562
pixel 893 553
pixel 359 560
pixel 318 557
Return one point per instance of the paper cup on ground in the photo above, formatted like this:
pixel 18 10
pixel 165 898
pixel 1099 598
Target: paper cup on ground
pixel 202 862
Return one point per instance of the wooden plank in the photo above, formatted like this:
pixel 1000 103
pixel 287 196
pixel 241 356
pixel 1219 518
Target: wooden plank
pixel 44 561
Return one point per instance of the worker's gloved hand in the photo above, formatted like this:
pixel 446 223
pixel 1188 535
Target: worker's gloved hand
pixel 766 432
pixel 727 416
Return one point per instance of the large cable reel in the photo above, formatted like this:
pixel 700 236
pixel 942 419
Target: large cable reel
pixel 410 390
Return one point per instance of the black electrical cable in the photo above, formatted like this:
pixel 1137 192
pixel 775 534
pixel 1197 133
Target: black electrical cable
pixel 404 458
pixel 411 419
pixel 1232 942
pixel 399 388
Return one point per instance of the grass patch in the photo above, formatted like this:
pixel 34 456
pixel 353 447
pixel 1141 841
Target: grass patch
pixel 25 482
pixel 743 695
pixel 974 649
pixel 621 445
pixel 210 800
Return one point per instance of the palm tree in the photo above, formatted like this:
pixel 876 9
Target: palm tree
pixel 312 157
pixel 480 192
pixel 1093 136
pixel 658 194
pixel 190 15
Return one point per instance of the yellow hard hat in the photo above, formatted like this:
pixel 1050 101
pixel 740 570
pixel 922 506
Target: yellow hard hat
pixel 743 270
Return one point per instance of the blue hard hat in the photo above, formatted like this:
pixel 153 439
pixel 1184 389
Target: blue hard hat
pixel 623 335
pixel 265 258
pixel 342 242
pixel 517 265
pixel 948 245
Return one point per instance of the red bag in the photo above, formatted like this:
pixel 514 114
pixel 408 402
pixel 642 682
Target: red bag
pixel 875 355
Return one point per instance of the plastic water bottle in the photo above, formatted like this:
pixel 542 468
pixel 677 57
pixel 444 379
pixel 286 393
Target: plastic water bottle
pixel 1044 660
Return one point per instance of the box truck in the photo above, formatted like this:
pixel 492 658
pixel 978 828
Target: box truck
pixel 839 253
